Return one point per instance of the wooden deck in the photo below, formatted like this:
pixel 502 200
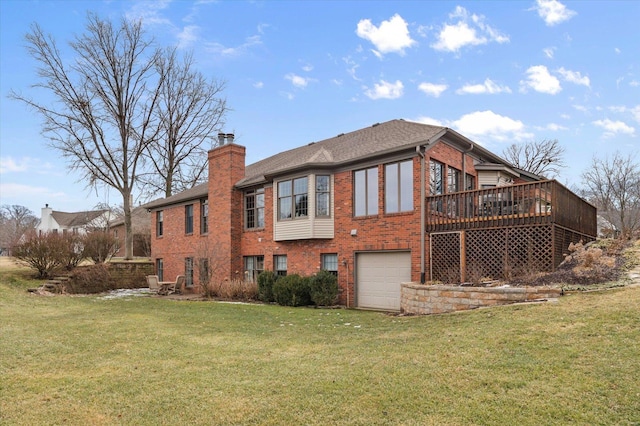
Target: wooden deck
pixel 537 203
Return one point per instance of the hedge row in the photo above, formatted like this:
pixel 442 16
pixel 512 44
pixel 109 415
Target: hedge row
pixel 320 289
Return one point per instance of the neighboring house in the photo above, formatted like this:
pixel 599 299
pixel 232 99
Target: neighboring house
pixel 141 226
pixel 395 202
pixel 76 223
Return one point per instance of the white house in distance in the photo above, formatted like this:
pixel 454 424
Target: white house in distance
pixel 77 223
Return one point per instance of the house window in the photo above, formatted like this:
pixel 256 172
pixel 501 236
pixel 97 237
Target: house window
pixel 188 219
pixel 160 269
pixel 323 189
pixel 293 198
pixel 159 223
pixel 436 178
pixel 253 266
pixel 329 262
pixel 203 270
pixel 204 216
pixel 398 187
pixel 453 180
pixel 280 265
pixel 469 182
pixel 188 271
pixel 254 208
pixel 366 192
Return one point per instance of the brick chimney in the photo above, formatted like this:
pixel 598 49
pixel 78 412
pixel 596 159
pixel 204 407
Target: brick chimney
pixel 226 167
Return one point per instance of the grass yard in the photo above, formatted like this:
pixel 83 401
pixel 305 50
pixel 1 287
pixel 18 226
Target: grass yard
pixel 88 360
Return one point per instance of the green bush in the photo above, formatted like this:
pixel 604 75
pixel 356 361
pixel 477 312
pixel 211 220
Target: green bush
pixel 266 279
pixel 292 290
pixel 324 288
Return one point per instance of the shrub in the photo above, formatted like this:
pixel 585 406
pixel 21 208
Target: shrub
pixel 100 246
pixel 324 288
pixel 292 290
pixel 230 289
pixel 91 279
pixel 266 279
pixel 41 252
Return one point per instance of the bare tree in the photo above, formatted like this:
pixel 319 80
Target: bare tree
pixel 543 158
pixel 191 109
pixel 104 115
pixel 15 221
pixel 613 185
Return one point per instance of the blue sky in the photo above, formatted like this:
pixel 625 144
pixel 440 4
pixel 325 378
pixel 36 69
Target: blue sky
pixel 498 72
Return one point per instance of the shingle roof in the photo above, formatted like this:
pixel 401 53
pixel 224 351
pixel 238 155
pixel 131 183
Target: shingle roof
pixel 77 219
pixel 377 140
pixel 393 135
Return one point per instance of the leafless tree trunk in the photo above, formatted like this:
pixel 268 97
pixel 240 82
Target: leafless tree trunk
pixel 543 158
pixel 191 109
pixel 104 115
pixel 613 185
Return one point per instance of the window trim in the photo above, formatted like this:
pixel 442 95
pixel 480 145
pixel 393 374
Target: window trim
pixel 256 195
pixel 204 217
pixel 277 267
pixel 398 182
pixel 326 193
pixel 292 196
pixel 188 271
pixel 160 268
pixel 368 192
pixel 323 263
pixel 159 223
pixel 251 275
pixel 453 179
pixel 188 219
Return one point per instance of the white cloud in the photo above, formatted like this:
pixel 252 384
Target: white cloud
pixel 617 50
pixel 553 127
pixel 258 84
pixel 488 87
pixel 220 49
pixel 636 113
pixel 432 89
pixel 298 81
pixel 23 164
pixel 614 127
pixel 428 120
pixel 634 83
pixel 553 12
pixel 540 80
pixel 17 190
pixel 391 36
pixel 188 36
pixel 469 30
pixel 385 90
pixel 149 12
pixel 307 67
pixel 549 52
pixel 494 126
pixel 574 77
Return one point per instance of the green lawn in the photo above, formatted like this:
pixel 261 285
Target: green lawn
pixel 148 361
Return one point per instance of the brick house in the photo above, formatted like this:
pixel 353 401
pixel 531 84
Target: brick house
pixel 395 202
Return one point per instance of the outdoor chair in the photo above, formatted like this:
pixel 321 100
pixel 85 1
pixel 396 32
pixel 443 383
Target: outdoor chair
pixel 172 287
pixel 153 282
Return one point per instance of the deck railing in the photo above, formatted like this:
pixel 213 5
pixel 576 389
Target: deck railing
pixel 545 202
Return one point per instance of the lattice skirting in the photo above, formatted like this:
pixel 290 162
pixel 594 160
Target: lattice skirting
pixel 498 253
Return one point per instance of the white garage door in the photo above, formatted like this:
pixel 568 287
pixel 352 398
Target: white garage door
pixel 378 279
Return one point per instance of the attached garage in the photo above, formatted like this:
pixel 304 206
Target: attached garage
pixel 378 278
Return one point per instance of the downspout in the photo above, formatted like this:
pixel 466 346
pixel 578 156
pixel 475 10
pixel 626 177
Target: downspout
pixel 423 231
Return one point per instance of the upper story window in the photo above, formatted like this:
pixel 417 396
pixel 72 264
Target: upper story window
pixel 293 198
pixel 453 180
pixel 254 209
pixel 398 187
pixel 436 177
pixel 366 192
pixel 159 223
pixel 188 219
pixel 204 216
pixel 323 191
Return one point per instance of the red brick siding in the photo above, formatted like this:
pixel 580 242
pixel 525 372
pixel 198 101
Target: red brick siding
pixel 399 231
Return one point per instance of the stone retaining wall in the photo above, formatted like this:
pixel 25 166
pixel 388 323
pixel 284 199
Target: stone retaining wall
pixel 130 274
pixel 438 299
